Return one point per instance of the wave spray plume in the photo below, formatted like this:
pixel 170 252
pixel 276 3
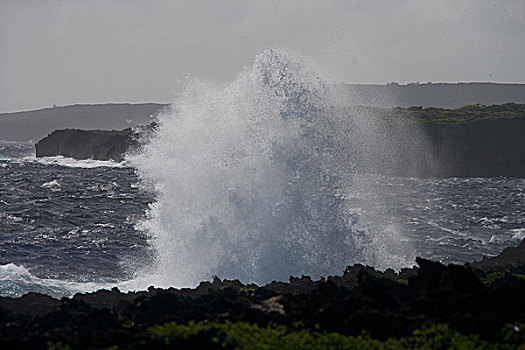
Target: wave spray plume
pixel 247 180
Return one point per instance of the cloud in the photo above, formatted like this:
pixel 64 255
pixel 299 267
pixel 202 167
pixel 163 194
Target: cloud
pixel 65 52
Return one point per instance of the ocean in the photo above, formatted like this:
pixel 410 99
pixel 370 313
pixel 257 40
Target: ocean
pixel 70 226
pixel 246 180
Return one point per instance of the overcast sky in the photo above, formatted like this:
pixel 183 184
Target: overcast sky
pixel 65 52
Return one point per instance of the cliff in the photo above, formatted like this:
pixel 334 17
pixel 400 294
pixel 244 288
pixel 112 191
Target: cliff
pixel 86 144
pixel 34 125
pixel 472 141
pixel 484 148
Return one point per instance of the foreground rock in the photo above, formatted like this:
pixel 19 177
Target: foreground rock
pixel 464 299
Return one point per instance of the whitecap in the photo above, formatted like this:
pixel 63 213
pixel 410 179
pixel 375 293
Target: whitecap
pixel 16 281
pixel 52 185
pixel 76 163
pixel 518 234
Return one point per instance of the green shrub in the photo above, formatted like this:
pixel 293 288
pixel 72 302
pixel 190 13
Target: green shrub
pixel 246 336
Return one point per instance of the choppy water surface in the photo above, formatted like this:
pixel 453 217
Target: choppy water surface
pixel 77 224
pixel 71 223
pixel 248 180
pixel 452 220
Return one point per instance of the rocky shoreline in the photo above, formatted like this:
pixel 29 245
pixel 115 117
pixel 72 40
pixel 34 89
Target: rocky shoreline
pixel 86 144
pixel 92 144
pixel 472 141
pixel 469 303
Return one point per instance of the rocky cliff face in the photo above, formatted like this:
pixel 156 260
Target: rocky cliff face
pixel 86 144
pixel 399 147
pixel 482 148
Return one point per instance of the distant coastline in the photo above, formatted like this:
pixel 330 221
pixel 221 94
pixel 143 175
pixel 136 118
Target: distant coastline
pixel 34 125
pixel 444 95
pixel 472 141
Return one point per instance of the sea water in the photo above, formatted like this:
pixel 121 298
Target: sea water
pixel 246 180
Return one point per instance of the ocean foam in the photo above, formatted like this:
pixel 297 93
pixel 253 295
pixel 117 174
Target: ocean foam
pixel 518 234
pixel 75 163
pixel 16 281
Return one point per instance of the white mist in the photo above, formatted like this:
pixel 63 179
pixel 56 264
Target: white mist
pixel 249 182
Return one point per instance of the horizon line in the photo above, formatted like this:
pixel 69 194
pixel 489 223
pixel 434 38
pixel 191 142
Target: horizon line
pixel 393 83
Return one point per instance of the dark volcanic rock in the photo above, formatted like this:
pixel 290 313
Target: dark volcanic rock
pixel 511 260
pixel 86 144
pixel 363 299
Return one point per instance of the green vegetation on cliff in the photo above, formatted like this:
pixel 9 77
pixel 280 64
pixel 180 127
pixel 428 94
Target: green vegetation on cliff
pixel 465 114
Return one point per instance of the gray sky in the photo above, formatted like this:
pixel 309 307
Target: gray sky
pixel 65 52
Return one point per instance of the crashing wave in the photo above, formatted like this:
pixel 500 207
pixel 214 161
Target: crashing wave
pixel 247 180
